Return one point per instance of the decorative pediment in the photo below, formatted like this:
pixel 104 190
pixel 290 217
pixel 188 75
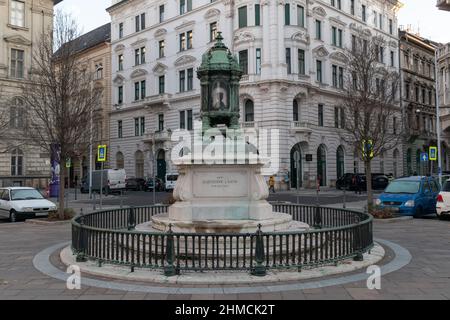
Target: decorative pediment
pixel 393 44
pixel 119 47
pixel 339 57
pixel 160 32
pixel 185 24
pixel 244 37
pixel 159 68
pixel 18 39
pixel 319 11
pixel 139 42
pixel 138 73
pixel 118 80
pixel 181 61
pixel 211 13
pixel 321 51
pixel 301 36
pixel 337 20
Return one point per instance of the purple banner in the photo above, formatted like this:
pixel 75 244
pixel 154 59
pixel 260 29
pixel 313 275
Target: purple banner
pixel 55 161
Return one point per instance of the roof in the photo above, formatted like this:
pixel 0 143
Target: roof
pixel 92 38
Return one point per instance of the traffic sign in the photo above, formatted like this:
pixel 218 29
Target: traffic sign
pixel 68 163
pixel 424 157
pixel 101 154
pixel 367 148
pixel 433 153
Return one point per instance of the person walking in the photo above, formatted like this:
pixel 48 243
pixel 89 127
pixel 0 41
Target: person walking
pixel 272 184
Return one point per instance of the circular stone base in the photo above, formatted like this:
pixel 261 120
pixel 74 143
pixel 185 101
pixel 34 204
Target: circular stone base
pixel 116 272
pixel 279 222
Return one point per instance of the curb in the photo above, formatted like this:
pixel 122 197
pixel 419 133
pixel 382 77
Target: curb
pixel 47 223
pixel 393 220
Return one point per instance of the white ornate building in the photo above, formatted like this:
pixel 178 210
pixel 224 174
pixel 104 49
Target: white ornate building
pixel 291 52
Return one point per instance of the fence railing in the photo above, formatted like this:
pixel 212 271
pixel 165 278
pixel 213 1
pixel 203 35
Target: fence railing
pixel 109 236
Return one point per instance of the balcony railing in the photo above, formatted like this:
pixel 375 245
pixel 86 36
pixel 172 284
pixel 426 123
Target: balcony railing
pixel 158 136
pixel 158 100
pixel 301 126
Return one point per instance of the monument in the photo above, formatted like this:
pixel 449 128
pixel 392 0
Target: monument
pixel 220 187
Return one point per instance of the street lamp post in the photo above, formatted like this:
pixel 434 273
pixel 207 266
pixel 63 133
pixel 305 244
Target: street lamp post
pixel 90 155
pixel 438 121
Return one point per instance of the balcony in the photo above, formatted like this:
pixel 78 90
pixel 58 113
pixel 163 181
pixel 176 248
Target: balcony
pixel 443 5
pixel 301 127
pixel 157 137
pixel 159 100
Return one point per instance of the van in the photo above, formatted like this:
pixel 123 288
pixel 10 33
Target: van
pixel 171 179
pixel 114 180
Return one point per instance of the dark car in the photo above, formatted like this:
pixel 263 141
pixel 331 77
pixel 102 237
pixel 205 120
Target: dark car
pixel 84 187
pixel 136 184
pixel 149 185
pixel 379 181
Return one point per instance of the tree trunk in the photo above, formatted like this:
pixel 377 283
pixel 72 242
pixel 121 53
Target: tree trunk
pixel 368 165
pixel 62 189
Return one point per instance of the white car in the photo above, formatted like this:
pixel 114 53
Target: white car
pixel 17 203
pixel 443 201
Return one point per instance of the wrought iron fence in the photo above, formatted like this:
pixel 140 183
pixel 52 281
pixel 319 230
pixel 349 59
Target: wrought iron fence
pixel 109 236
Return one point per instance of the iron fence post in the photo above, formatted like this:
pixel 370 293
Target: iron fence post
pixel 131 219
pixel 169 268
pixel 357 241
pixel 81 255
pixel 260 269
pixel 317 218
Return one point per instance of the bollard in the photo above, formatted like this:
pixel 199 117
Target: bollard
pixel 81 256
pixel 131 219
pixel 169 268
pixel 357 241
pixel 260 269
pixel 317 218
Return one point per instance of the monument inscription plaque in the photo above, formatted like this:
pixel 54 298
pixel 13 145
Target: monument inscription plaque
pixel 220 184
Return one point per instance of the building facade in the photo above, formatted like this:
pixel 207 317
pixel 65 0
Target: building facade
pixel 21 24
pixel 443 73
pixel 443 5
pixel 93 52
pixel 417 66
pixel 292 56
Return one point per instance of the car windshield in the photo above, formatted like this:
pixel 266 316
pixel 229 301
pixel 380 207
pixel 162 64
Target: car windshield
pixel 172 178
pixel 403 187
pixel 25 194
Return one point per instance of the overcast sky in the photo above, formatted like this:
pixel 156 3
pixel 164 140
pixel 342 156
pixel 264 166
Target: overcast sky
pixel 422 15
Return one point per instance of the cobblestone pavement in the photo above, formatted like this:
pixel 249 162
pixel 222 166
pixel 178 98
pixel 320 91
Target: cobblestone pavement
pixel 426 277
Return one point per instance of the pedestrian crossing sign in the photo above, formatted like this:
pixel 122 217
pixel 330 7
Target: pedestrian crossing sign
pixel 101 154
pixel 433 153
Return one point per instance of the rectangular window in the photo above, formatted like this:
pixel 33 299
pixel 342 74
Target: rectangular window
pixel 363 13
pixel 320 115
pixel 182 80
pixel 334 36
pixel 318 30
pixel 137 59
pixel 142 21
pixel 212 31
pixel 288 60
pixel 341 78
pixel 162 88
pixel 375 18
pixel 119 129
pixel 136 91
pixel 183 119
pixel 142 55
pixel 182 41
pixel 120 59
pixel 137 23
pixel 301 16
pixel 334 76
pixel 121 30
pixel 189 120
pixel 301 61
pixel 392 58
pixel 258 60
pixel 342 118
pixel 143 89
pixel 380 16
pixel 257 15
pixel 287 14
pixel 242 13
pixel 381 54
pixel 407 90
pixel 136 127
pixel 243 60
pixel 161 13
pixel 319 71
pixel 161 122
pixel 17 63
pixel 424 97
pixel 190 79
pixel 18 13
pixel 142 128
pixel 391 27
pixel 120 95
pixel 182 6
pixel 352 7
pixel 161 48
pixel 189 39
pixel 336 117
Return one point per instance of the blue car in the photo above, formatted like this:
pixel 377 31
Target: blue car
pixel 411 196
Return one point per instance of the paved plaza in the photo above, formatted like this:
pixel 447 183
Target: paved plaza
pixel 425 276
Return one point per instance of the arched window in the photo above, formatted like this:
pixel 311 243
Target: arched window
pixel 99 71
pixel 120 161
pixel 139 165
pixel 17 114
pixel 249 111
pixel 295 116
pixel 340 162
pixel 17 162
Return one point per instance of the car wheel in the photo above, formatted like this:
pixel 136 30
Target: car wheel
pixel 418 213
pixel 13 216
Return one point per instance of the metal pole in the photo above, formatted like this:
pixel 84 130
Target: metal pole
pixel 90 157
pixel 438 121
pixel 154 170
pixel 298 184
pixel 101 187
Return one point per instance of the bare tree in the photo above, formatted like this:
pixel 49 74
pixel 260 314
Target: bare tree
pixel 60 96
pixel 372 115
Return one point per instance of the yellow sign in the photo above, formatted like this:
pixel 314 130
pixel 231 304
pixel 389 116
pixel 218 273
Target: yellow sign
pixel 433 153
pixel 101 154
pixel 367 147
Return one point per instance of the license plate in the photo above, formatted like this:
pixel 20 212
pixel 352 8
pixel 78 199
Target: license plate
pixel 41 214
pixel 395 209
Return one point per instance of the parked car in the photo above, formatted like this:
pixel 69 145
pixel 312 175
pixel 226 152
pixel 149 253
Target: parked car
pixel 149 185
pixel 114 180
pixel 412 196
pixel 136 184
pixel 18 203
pixel 379 181
pixel 171 179
pixel 443 201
